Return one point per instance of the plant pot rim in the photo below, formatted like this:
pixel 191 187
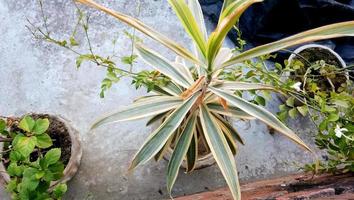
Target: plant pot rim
pixel 309 46
pixel 202 162
pixel 75 158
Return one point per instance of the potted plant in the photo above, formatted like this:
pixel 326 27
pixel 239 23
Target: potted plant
pixel 40 153
pixel 189 96
pixel 318 68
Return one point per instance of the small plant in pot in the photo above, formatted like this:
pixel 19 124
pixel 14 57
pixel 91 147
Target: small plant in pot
pixel 193 99
pixel 37 157
pixel 318 69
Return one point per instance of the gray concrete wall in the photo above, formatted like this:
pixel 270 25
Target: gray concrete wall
pixel 37 77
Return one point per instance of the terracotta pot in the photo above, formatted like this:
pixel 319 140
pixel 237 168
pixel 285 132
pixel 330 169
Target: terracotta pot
pixel 75 157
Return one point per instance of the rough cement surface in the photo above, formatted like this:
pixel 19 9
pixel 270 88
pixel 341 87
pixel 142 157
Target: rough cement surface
pixel 42 78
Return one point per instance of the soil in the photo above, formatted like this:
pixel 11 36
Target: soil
pixel 57 131
pixel 316 54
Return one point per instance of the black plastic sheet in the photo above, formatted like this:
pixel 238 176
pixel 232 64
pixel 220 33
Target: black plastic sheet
pixel 276 19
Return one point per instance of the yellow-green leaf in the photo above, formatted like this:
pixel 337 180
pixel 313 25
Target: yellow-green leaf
pixel 224 26
pixel 189 23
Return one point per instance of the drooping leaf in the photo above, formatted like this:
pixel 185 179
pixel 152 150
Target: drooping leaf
pixel 324 32
pixel 143 108
pixel 190 24
pixel 160 136
pixel 180 151
pixel 230 112
pixel 221 151
pixel 162 65
pixel 261 114
pixel 131 21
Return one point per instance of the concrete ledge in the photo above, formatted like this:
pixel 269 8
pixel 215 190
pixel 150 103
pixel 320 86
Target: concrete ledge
pixel 299 186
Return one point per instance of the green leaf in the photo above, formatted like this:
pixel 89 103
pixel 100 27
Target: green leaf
pixel 221 151
pixel 41 126
pixel 261 114
pixel 303 110
pixel 180 151
pixel 324 32
pixel 189 23
pixel 192 154
pixel 14 170
pixel 144 29
pixel 24 145
pixel 162 65
pixel 260 100
pixel 160 136
pixel 141 109
pixel 44 141
pixel 52 156
pixel 27 124
pixel 60 190
pixel 73 42
pixel 333 117
pixel 293 113
pixel 29 181
pixel 11 185
pixel 290 101
pixel 2 125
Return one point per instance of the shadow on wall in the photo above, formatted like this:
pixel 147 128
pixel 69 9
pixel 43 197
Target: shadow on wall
pixel 275 19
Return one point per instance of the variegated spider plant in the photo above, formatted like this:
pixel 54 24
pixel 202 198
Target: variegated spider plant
pixel 194 107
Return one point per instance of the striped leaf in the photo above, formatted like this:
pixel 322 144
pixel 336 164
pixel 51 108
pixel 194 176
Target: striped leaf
pixel 230 112
pixel 260 113
pixel 324 32
pixel 171 88
pixel 226 4
pixel 181 65
pixel 235 85
pixel 220 150
pixel 224 26
pixel 197 12
pixel 227 127
pixel 192 154
pixel 157 118
pixel 189 23
pixel 160 136
pixel 131 21
pixel 162 65
pixel 180 151
pixel 141 109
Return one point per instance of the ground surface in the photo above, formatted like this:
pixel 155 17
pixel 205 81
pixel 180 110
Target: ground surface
pixel 37 77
